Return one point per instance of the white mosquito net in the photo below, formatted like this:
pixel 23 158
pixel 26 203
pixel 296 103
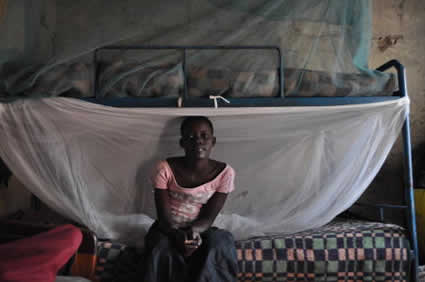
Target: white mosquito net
pixel 297 168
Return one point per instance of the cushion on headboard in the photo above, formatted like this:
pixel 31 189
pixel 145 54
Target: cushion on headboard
pixel 203 82
pixel 68 79
pixel 308 83
pixel 131 79
pixel 254 84
pixel 123 79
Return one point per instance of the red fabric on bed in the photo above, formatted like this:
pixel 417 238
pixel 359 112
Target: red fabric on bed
pixel 38 258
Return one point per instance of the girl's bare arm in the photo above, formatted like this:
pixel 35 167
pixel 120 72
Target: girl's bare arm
pixel 162 204
pixel 209 212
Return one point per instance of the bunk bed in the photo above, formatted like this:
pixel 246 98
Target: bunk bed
pixel 343 250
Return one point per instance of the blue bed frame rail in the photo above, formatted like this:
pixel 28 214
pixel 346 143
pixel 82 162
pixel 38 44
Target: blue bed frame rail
pixel 281 100
pixel 409 207
pixel 408 169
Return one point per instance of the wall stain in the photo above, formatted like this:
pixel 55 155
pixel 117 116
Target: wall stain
pixel 384 42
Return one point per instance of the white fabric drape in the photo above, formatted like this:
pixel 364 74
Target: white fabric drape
pixel 296 167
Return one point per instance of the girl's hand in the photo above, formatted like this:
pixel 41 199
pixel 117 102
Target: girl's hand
pixel 187 242
pixel 189 249
pixel 192 244
pixel 195 241
pixel 197 237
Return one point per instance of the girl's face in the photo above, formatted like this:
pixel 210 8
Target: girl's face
pixel 198 140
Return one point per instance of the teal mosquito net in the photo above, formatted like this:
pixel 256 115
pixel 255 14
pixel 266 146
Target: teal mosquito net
pixel 48 47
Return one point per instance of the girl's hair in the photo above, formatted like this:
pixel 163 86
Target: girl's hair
pixel 191 119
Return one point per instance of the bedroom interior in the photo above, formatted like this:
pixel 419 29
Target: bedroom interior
pixel 80 96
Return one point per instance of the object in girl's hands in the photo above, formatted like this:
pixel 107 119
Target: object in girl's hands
pixel 195 242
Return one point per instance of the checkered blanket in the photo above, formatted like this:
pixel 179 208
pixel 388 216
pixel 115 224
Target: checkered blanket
pixel 339 251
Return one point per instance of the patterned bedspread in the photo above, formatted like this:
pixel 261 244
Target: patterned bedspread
pixel 339 251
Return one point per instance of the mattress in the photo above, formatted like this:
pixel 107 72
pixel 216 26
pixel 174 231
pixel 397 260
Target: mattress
pixel 339 251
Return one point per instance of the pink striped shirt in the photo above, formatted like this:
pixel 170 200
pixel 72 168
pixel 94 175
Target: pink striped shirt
pixel 186 203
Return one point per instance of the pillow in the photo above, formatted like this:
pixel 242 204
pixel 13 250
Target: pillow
pixel 255 84
pixel 68 79
pixel 308 83
pixel 38 258
pixel 203 82
pixel 131 79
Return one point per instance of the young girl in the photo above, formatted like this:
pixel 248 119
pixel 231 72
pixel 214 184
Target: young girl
pixel 189 193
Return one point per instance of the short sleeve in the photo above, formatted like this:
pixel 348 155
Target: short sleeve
pixel 160 175
pixel 227 181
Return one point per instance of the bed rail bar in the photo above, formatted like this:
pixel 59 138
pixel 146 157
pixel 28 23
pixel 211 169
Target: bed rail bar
pixel 401 76
pixel 407 164
pixel 381 208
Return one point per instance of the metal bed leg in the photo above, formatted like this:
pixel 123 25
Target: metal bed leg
pixel 408 170
pixel 408 176
pixel 411 218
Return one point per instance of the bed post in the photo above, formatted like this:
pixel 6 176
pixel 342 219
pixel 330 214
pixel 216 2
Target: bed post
pixel 408 174
pixel 408 170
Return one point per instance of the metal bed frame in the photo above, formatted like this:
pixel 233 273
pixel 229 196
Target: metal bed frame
pixel 281 100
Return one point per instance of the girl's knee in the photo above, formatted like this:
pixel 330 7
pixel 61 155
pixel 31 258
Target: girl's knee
pixel 220 238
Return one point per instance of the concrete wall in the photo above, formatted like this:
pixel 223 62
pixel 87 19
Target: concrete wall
pixel 399 33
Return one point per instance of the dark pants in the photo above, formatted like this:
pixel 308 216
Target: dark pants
pixel 215 260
